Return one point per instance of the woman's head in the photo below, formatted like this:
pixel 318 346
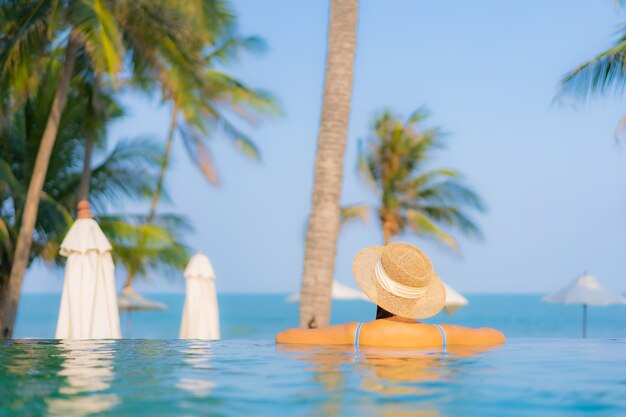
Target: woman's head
pixel 400 279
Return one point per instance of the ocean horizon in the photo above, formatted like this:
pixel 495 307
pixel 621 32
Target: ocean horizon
pixel 260 316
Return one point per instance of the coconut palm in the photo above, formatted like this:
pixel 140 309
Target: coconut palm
pixel 603 74
pixel 427 202
pixel 201 106
pixel 126 172
pixel 323 225
pixel 150 35
pixel 201 95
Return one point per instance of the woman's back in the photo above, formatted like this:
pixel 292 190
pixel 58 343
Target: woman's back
pixel 392 333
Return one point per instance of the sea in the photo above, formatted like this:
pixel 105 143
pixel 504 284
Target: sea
pixel 261 316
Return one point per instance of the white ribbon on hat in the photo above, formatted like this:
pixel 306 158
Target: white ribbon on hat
pixel 394 287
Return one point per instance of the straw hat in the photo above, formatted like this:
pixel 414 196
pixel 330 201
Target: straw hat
pixel 400 278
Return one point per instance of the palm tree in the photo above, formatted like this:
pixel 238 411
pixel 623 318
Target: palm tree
pixel 601 75
pixel 427 202
pixel 205 104
pixel 127 172
pixel 323 225
pixel 152 34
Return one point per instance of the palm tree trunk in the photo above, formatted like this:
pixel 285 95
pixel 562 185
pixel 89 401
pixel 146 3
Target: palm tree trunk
pixel 130 277
pixel 323 227
pixel 90 139
pixel 9 296
pixel 83 186
pixel 386 233
pixel 164 164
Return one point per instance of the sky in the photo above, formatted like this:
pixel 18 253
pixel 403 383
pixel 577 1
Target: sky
pixel 550 173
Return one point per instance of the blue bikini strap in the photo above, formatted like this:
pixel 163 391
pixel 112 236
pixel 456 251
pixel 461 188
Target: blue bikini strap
pixel 443 336
pixel 357 334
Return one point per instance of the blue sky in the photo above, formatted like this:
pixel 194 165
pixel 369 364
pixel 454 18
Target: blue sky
pixel 551 174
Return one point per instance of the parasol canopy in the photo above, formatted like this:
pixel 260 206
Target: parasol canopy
pixel 88 302
pixel 587 291
pixel 200 312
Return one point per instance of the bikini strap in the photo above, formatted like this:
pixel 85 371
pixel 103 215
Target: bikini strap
pixel 443 336
pixel 357 334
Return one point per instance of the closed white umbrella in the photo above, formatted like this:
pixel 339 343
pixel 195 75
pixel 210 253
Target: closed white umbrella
pixel 454 300
pixel 200 312
pixel 88 303
pixel 585 290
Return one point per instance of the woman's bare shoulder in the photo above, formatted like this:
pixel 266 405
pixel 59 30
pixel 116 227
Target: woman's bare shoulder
pixel 401 334
pixel 461 335
pixel 341 334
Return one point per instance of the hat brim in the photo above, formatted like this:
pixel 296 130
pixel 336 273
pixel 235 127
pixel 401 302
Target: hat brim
pixel 431 303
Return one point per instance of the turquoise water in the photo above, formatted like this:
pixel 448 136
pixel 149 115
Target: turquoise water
pixel 262 316
pixel 545 369
pixel 526 377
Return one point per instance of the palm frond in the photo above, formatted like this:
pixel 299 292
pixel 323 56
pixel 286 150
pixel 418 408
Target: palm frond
pixel 140 247
pixel 125 173
pixel 241 140
pixel 355 212
pixel 8 179
pixel 418 115
pixel 600 75
pixel 24 39
pixel 233 46
pixel 422 225
pixel 452 217
pixel 199 154
pixel 6 242
pixel 392 160
pixel 95 21
pixel 449 192
pixel 427 178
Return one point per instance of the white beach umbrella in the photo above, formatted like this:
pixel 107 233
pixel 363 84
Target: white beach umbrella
pixel 454 300
pixel 200 312
pixel 130 300
pixel 88 303
pixel 343 292
pixel 339 292
pixel 585 290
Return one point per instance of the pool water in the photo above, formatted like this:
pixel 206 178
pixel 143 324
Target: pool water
pixel 525 377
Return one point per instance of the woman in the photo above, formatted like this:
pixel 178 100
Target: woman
pixel 401 280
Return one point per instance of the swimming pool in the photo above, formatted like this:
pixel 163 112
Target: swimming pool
pixel 526 377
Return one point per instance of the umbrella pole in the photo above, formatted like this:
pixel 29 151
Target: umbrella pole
pixel 584 320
